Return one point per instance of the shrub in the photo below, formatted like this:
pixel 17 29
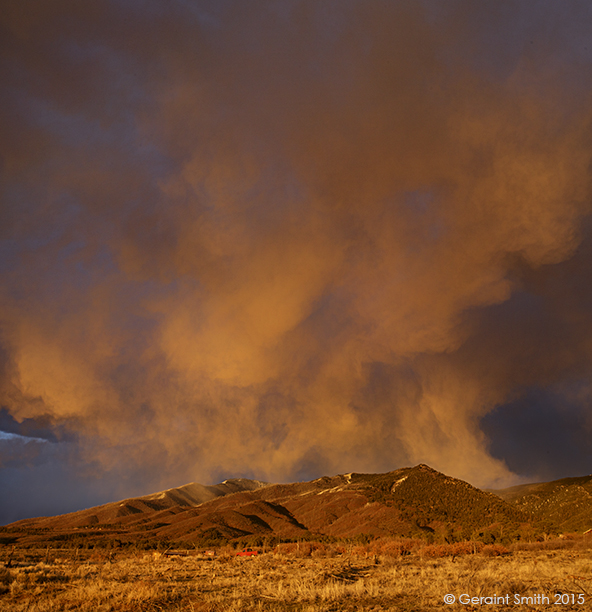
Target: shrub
pixel 466 548
pixel 495 550
pixel 456 549
pixel 436 550
pixel 391 547
pixel 297 549
pixel 319 550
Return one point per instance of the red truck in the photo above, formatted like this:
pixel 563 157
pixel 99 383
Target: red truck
pixel 247 552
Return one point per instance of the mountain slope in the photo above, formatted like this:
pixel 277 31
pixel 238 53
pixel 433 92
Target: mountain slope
pixel 410 502
pixel 564 503
pixel 189 495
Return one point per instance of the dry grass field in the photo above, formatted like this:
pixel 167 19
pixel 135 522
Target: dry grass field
pixel 383 575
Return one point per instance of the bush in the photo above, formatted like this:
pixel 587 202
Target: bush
pixel 305 549
pixel 466 548
pixel 395 548
pixel 495 550
pixel 454 550
pixel 436 550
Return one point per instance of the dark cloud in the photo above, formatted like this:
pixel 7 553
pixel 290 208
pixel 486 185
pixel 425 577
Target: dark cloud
pixel 279 239
pixel 544 433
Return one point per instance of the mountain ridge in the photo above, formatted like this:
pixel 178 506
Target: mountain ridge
pixel 566 503
pixel 408 502
pixel 191 494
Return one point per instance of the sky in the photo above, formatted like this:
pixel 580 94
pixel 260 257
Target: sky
pixel 292 238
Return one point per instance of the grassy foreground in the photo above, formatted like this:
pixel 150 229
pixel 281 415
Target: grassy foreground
pixel 295 579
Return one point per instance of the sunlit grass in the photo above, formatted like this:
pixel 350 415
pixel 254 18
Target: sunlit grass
pixel 356 579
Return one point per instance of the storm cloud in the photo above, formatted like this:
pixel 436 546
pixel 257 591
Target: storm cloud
pixel 288 239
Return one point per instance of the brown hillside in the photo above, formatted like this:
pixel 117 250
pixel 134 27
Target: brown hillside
pixel 139 508
pixel 566 504
pixel 414 502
